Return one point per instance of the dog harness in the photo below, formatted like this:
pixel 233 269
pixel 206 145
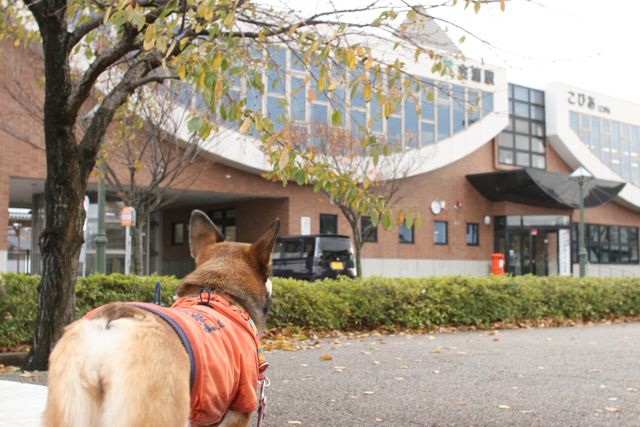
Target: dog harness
pixel 224 352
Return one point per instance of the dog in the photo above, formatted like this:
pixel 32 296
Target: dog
pixel 129 365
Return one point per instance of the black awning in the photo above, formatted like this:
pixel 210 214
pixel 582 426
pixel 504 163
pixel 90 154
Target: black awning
pixel 541 188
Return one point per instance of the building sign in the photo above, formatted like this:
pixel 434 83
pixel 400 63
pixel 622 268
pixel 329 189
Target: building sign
pixel 127 216
pixel 564 252
pixel 476 74
pixel 305 225
pixel 583 100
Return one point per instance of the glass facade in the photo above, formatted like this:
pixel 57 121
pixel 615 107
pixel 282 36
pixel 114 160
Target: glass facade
pixel 607 244
pixel 616 144
pixel 522 143
pixel 435 112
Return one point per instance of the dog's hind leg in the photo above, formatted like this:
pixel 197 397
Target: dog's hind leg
pixel 148 377
pixel 75 389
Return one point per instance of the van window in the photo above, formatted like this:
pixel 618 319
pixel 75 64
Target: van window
pixel 292 249
pixel 334 245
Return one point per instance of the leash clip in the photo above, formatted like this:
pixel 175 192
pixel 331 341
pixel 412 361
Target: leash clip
pixel 208 292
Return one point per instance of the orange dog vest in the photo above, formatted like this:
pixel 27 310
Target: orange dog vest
pixel 224 355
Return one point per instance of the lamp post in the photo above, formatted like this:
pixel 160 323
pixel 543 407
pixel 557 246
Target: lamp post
pixel 101 237
pixel 581 175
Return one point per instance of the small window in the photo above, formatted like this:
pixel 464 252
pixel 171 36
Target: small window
pixel 473 234
pixel 368 231
pixel 177 234
pixel 406 234
pixel 440 236
pixel 328 224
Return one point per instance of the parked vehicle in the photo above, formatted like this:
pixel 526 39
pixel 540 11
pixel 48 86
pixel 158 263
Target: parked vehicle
pixel 313 257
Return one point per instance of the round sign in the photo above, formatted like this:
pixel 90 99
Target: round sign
pixel 436 207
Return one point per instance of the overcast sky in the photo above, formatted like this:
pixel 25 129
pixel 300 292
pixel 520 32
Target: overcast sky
pixel 591 44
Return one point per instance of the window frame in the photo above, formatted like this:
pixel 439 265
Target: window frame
pixel 476 227
pixel 412 230
pixel 327 216
pixel 446 232
pixel 174 235
pixel 373 238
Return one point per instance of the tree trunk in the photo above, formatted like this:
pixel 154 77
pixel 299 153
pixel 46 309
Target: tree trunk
pixel 138 247
pixel 67 175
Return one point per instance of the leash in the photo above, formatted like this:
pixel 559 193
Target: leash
pixel 262 403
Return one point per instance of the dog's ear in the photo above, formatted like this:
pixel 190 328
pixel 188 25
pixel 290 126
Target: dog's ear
pixel 264 245
pixel 202 232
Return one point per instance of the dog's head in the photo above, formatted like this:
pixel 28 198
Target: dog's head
pixel 238 271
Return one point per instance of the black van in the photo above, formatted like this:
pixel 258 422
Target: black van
pixel 313 257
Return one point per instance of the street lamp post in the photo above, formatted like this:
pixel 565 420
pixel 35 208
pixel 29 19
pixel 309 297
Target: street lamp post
pixel 101 237
pixel 581 175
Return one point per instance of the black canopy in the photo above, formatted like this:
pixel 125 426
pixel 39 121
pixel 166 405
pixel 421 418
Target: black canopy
pixel 541 188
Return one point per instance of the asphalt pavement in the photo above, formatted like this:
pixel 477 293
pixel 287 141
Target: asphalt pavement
pixel 574 376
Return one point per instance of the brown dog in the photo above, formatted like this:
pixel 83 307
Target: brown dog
pixel 130 365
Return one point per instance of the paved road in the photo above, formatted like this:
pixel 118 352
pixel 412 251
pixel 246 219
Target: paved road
pixel 581 376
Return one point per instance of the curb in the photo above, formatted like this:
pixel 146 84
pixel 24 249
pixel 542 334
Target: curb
pixel 13 359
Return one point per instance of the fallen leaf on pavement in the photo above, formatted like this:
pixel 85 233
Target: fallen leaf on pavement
pixel 612 409
pixel 461 353
pixel 326 357
pixel 431 337
pixel 436 350
pixel 298 423
pixel 632 390
pixel 368 392
pixel 379 419
pixel 376 362
pixel 504 406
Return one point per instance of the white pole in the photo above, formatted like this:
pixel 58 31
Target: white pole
pixel 127 252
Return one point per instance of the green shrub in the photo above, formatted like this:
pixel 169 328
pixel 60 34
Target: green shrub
pixel 361 304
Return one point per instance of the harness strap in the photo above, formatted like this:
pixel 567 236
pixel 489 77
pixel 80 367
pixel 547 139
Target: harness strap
pixel 181 334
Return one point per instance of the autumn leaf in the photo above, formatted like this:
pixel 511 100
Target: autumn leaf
pixel 326 357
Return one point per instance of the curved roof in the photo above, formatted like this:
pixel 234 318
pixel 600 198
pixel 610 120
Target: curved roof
pixel 541 188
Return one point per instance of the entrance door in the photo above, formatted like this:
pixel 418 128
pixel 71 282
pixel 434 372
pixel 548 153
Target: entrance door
pixel 528 252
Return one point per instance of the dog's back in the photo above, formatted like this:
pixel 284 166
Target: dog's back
pixel 123 367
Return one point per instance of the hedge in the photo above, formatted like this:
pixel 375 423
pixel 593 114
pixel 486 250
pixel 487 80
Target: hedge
pixel 362 304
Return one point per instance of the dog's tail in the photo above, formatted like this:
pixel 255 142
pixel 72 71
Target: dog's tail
pixel 112 372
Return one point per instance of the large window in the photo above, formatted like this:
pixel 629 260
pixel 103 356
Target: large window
pixel 522 142
pixel 428 112
pixel 616 144
pixel 440 233
pixel 607 244
pixel 328 224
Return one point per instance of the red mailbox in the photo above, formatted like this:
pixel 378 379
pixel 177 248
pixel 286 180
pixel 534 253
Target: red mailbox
pixel 497 264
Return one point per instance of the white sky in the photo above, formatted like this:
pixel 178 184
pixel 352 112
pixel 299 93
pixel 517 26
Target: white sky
pixel 592 44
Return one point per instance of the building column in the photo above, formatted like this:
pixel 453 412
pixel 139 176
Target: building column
pixel 4 221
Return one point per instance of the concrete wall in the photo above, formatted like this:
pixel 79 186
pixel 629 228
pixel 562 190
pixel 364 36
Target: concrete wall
pixel 423 267
pixel 608 270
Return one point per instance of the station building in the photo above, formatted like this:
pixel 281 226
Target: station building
pixel 491 178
